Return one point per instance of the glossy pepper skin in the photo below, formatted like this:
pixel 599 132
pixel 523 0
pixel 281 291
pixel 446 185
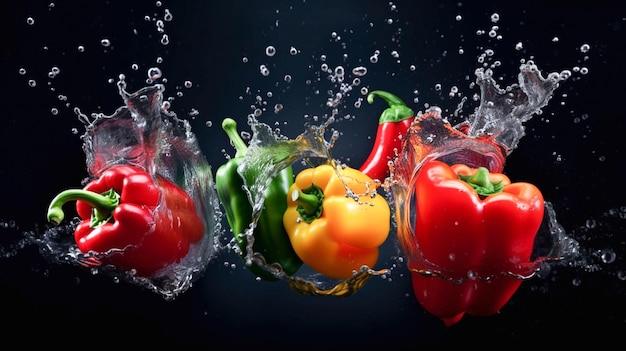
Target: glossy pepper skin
pixel 393 124
pixel 471 222
pixel 336 224
pixel 270 237
pixel 139 222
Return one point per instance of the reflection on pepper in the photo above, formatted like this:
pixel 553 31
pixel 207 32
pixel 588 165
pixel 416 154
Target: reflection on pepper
pixel 135 221
pixel 270 238
pixel 477 228
pixel 335 220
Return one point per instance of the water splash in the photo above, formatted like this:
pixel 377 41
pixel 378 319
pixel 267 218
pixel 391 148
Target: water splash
pixel 144 134
pixel 269 153
pixel 485 139
pixel 502 112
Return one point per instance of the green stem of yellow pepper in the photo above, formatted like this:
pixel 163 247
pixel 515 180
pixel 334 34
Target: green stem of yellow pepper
pixel 309 202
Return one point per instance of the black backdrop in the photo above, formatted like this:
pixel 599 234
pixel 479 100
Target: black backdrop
pixel 572 152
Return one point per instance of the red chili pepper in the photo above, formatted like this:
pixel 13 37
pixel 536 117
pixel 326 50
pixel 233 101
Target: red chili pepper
pixel 476 229
pixel 134 220
pixel 392 126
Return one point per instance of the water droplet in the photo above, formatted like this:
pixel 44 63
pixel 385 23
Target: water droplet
pixel 585 48
pixel 339 71
pixel 359 71
pixel 270 51
pixel 608 256
pixel 168 15
pixel 264 70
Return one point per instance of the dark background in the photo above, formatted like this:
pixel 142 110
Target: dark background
pixel 573 151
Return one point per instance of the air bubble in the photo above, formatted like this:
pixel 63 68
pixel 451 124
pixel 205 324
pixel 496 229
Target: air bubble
pixel 105 42
pixel 188 84
pixel 30 21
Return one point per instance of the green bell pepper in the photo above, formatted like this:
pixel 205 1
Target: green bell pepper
pixel 270 237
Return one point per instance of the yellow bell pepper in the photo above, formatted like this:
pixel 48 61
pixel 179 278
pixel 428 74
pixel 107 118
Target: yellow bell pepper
pixel 335 220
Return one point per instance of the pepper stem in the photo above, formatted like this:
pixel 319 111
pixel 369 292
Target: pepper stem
pixel 397 110
pixel 480 182
pixel 309 202
pixel 230 127
pixel 103 205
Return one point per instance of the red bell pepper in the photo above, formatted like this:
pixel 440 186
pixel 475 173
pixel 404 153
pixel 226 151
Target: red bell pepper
pixel 393 124
pixel 475 230
pixel 132 220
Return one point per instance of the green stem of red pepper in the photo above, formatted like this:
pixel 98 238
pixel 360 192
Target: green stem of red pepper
pixel 393 124
pixel 480 182
pixel 103 205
